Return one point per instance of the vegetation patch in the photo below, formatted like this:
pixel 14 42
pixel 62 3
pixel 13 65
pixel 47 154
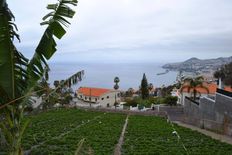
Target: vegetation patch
pixel 154 135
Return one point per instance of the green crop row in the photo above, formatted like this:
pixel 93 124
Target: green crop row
pixel 58 132
pixel 153 135
pixel 101 136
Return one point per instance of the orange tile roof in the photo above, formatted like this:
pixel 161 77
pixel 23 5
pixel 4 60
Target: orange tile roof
pixel 228 89
pixel 212 87
pixel 96 92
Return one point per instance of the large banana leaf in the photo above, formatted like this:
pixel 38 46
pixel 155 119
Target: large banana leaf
pixel 56 20
pixel 18 75
pixel 12 62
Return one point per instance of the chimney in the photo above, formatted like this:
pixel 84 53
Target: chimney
pixel 220 84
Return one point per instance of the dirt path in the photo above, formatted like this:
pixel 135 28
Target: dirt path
pixel 117 150
pixel 222 138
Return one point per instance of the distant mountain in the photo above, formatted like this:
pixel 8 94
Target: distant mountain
pixel 198 65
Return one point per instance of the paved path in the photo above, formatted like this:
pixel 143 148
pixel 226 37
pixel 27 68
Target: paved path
pixel 222 138
pixel 117 150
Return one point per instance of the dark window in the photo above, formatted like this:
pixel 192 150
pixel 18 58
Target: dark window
pixel 81 96
pixel 96 99
pixel 102 98
pixel 85 98
pixel 108 104
pixel 107 97
pixel 90 98
pixel 118 94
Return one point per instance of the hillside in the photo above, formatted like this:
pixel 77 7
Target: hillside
pixel 59 132
pixel 198 65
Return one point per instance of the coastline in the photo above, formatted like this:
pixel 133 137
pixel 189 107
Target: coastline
pixel 102 74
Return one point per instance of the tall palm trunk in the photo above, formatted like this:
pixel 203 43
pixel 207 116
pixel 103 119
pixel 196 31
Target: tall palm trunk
pixel 194 94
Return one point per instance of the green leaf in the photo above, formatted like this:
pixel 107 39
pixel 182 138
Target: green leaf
pixel 58 30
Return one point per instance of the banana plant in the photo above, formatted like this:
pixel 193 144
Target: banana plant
pixel 19 75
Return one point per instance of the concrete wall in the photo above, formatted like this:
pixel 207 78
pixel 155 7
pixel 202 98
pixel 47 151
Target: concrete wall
pixel 207 108
pixel 210 114
pixel 223 108
pixel 181 98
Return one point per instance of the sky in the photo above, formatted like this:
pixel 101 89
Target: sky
pixel 124 31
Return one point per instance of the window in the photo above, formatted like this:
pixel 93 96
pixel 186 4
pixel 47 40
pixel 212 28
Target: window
pixel 118 94
pixel 107 97
pixel 80 96
pixel 96 99
pixel 89 98
pixel 103 98
pixel 85 98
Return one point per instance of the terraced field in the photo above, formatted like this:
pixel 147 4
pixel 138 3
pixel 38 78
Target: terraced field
pixel 60 131
pixel 66 128
pixel 152 135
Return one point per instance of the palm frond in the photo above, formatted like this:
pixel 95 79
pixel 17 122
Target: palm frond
pixel 55 20
pixel 12 62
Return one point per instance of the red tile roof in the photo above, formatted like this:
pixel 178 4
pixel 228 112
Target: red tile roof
pixel 212 87
pixel 96 92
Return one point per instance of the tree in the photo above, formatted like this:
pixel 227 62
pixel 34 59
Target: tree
pixel 130 92
pixel 228 74
pixel 144 87
pixel 18 75
pixel 225 74
pixel 192 84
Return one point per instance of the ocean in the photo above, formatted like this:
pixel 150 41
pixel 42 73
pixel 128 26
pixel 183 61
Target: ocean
pixel 102 74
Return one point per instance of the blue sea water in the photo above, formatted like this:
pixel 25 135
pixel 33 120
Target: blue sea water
pixel 102 74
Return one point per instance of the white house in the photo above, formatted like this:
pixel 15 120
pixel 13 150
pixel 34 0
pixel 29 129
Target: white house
pixel 99 96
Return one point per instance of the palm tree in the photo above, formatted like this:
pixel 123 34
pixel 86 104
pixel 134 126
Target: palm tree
pixel 130 92
pixel 116 87
pixel 224 74
pixel 116 81
pixel 18 75
pixel 192 84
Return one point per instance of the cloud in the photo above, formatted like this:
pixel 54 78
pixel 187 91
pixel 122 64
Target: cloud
pixel 134 30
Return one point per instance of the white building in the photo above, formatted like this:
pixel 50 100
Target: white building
pixel 99 96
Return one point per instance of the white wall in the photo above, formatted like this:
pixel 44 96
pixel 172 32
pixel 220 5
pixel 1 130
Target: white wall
pixel 109 98
pixel 183 95
pixel 104 100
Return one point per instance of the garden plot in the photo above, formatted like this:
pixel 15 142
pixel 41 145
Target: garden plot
pixel 154 135
pixel 101 132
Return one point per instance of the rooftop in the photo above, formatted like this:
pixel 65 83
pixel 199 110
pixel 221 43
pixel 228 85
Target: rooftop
pixel 96 92
pixel 212 87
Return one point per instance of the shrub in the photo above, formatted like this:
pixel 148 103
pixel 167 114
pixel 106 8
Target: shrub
pixel 170 100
